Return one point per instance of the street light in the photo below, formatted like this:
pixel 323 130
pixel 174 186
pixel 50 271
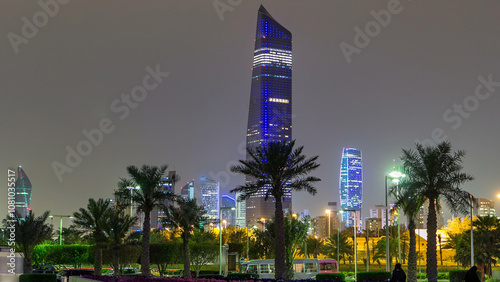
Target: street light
pixel 263 221
pixel 396 175
pixel 471 233
pixel 220 236
pixel 248 245
pixel 392 175
pixel 328 212
pixel 338 238
pixel 355 245
pixel 60 225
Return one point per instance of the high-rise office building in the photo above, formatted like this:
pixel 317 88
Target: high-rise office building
pixel 423 213
pixel 484 207
pixel 23 193
pixel 187 191
pixel 229 214
pixel 241 212
pixel 270 109
pixel 209 191
pixel 167 184
pixel 351 186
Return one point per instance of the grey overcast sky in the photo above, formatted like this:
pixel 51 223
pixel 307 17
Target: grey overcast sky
pixel 64 70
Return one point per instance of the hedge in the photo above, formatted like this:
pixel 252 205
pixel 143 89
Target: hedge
pixel 243 275
pixel 373 276
pixel 38 277
pixel 459 275
pixel 331 276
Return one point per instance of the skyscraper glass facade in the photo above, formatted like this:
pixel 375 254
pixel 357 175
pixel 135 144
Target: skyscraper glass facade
pixel 351 185
pixel 270 109
pixel 209 190
pixel 23 193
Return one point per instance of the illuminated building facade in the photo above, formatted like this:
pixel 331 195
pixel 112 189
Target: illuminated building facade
pixel 23 193
pixel 229 214
pixel 187 191
pixel 209 190
pixel 270 109
pixel 351 186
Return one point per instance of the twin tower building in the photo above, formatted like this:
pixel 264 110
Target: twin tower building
pixel 270 120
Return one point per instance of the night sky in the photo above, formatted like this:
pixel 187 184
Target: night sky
pixel 416 75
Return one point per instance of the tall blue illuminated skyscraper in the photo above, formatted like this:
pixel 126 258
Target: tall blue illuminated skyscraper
pixel 270 110
pixel 351 185
pixel 23 193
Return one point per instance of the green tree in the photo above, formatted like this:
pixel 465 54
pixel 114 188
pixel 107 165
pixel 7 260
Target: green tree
pixel 163 254
pixel 149 196
pixel 93 221
pixel 295 236
pixel 314 246
pixel 410 203
pixel 116 227
pixel 273 168
pixel 202 253
pixel 30 232
pixel 185 218
pixel 344 243
pixel 436 173
pixel 486 242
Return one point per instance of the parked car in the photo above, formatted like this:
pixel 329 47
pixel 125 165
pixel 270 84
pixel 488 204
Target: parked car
pixel 66 273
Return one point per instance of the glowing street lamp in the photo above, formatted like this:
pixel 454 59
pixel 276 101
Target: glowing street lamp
pixel 395 176
pixel 329 213
pixel 60 224
pixel 220 236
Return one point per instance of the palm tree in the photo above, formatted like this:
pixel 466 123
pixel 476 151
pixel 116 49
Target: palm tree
pixel 314 246
pixel 148 196
pixel 345 246
pixel 29 231
pixel 93 220
pixel 436 173
pixel 185 217
pixel 410 204
pixel 486 242
pixel 275 169
pixel 117 225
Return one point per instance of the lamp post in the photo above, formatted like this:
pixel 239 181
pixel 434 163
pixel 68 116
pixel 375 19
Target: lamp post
pixel 395 175
pixel 248 245
pixel 220 236
pixel 338 238
pixel 355 245
pixel 471 233
pixel 328 212
pixel 130 188
pixel 263 222
pixel 60 224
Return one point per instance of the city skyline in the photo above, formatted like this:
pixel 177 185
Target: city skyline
pixel 423 75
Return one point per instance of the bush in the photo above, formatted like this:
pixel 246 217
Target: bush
pixel 38 277
pixel 459 275
pixel 243 275
pixel 373 276
pixel 331 276
pixel 443 275
pixel 422 275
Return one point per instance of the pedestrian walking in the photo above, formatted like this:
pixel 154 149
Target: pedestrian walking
pixel 398 274
pixel 471 275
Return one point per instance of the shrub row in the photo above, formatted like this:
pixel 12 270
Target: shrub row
pixel 373 276
pixel 459 275
pixel 38 277
pixel 331 276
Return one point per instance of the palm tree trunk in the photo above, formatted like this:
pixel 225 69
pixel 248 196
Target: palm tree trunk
pixel 146 226
pixel 116 257
pixel 412 254
pixel 187 263
pixel 98 260
pixel 28 264
pixel 431 242
pixel 281 271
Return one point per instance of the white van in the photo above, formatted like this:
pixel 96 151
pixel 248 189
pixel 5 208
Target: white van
pixel 303 268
